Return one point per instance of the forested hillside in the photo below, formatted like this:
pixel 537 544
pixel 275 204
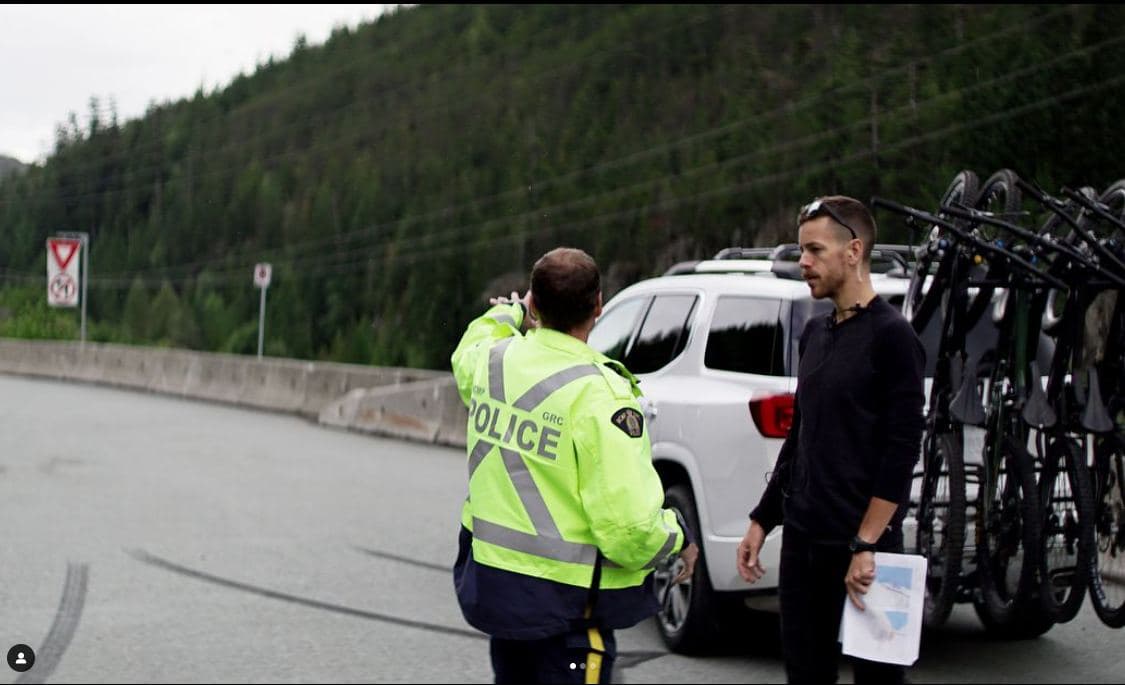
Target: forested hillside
pixel 401 172
pixel 9 165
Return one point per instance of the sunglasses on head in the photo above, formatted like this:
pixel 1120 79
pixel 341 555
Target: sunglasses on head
pixel 819 207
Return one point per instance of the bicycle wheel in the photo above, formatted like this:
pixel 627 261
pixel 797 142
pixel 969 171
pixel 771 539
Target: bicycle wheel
pixel 963 188
pixel 1055 226
pixel 941 524
pixel 1107 572
pixel 1027 621
pixel 1066 497
pixel 1008 527
pixel 999 194
pixel 927 260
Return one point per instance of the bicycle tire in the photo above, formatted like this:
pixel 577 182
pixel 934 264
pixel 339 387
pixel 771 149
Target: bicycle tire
pixel 1028 621
pixel 1107 586
pixel 943 463
pixel 1009 535
pixel 963 188
pixel 1053 224
pixel 999 194
pixel 1067 501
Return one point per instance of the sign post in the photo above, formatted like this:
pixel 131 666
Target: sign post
pixel 262 273
pixel 64 272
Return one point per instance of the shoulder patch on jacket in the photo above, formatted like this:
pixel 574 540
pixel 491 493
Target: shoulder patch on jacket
pixel 630 421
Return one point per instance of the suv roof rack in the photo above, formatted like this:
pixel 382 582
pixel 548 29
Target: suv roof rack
pixel 682 268
pixel 886 258
pixel 745 253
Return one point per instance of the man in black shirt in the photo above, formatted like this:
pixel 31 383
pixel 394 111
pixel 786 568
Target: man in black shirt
pixel 843 475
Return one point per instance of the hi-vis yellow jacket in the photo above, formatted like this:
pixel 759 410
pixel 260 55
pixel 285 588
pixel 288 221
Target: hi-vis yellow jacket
pixel 560 463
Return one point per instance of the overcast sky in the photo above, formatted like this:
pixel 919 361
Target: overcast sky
pixel 54 57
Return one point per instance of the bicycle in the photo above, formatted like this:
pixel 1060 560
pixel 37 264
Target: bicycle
pixel 937 285
pixel 1008 528
pixel 941 450
pixel 1060 429
pixel 1106 575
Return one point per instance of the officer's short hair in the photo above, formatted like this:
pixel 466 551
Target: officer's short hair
pixel 565 283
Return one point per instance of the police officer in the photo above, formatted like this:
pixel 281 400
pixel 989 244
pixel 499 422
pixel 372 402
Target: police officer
pixel 563 524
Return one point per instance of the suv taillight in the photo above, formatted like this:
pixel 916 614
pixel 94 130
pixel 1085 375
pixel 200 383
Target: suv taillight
pixel 773 415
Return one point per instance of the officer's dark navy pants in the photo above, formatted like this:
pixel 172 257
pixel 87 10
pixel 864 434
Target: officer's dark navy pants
pixel 812 592
pixel 560 659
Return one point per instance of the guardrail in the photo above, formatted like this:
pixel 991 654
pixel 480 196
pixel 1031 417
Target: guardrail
pixel 416 404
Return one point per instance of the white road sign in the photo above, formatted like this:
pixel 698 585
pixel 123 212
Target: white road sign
pixel 63 271
pixel 262 273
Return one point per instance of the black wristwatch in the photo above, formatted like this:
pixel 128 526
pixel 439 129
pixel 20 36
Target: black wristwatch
pixel 858 545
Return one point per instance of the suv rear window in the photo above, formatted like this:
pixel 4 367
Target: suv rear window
pixel 663 335
pixel 613 331
pixel 746 336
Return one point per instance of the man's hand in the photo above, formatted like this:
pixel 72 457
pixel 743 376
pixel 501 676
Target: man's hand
pixel 861 574
pixel 511 299
pixel 749 565
pixel 688 555
pixel 529 320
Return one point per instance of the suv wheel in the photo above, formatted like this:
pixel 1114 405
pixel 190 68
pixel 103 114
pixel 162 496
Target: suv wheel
pixel 693 618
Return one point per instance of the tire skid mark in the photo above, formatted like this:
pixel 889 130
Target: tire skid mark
pixel 153 560
pixel 624 659
pixel 405 560
pixel 64 626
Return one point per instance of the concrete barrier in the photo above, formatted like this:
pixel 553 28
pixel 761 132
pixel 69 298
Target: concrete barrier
pixel 427 411
pixel 418 404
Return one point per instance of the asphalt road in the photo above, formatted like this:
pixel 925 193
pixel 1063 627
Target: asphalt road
pixel 148 538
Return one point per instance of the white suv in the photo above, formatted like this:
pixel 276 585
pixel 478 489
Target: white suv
pixel 714 344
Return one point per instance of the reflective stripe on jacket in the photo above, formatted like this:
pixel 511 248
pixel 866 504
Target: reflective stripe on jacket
pixel 559 460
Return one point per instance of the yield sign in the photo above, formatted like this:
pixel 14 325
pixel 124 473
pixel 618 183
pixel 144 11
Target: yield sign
pixel 63 271
pixel 64 250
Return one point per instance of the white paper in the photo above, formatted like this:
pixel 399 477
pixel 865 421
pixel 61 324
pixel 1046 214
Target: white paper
pixel 890 628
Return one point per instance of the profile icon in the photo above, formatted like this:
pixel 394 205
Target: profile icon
pixel 21 658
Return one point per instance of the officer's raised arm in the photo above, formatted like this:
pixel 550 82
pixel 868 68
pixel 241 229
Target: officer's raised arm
pixel 502 320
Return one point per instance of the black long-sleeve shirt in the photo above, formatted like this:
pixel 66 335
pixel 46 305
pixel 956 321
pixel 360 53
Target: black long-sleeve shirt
pixel 857 425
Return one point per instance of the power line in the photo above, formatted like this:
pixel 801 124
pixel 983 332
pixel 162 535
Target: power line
pixel 900 146
pixel 569 205
pixel 649 183
pixel 633 157
pixel 340 240
pixel 411 251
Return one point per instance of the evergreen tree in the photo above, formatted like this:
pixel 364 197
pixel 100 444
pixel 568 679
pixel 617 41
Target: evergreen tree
pixel 392 173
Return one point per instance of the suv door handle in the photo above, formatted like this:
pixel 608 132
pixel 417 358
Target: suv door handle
pixel 649 408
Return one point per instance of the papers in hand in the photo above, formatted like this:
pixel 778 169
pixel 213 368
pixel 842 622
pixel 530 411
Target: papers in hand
pixel 890 628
